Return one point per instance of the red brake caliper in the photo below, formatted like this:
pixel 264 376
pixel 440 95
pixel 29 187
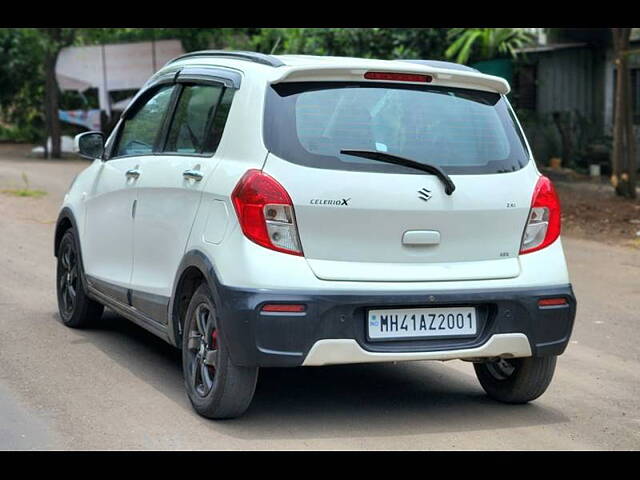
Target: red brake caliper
pixel 214 346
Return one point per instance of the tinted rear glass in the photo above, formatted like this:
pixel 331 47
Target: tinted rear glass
pixel 463 131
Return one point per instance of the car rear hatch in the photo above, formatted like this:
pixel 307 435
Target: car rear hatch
pixel 368 220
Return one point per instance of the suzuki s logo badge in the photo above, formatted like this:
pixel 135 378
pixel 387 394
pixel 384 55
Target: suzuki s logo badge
pixel 424 194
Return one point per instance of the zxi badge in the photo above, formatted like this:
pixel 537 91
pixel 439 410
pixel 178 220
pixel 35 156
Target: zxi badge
pixel 424 194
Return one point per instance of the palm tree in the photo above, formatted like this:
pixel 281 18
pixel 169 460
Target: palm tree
pixel 492 42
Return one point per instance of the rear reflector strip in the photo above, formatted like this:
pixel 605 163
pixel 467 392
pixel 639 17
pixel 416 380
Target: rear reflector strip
pixel 548 302
pixel 288 308
pixel 398 77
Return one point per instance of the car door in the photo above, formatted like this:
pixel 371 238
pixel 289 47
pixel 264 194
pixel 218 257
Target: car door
pixel 170 191
pixel 111 203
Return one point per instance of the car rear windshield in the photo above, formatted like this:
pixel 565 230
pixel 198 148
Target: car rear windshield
pixel 463 131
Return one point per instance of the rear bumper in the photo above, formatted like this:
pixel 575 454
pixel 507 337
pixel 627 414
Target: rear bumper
pixel 332 330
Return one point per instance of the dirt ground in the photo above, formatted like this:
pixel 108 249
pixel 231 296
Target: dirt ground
pixel 591 210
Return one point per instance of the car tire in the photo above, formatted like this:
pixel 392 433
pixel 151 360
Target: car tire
pixel 215 386
pixel 516 380
pixel 76 309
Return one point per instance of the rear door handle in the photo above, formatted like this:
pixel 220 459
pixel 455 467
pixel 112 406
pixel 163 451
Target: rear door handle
pixel 133 173
pixel 193 174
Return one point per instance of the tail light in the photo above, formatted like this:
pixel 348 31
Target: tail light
pixel 265 212
pixel 543 225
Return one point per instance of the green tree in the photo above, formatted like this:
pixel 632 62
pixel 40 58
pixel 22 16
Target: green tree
pixel 485 43
pixel 191 38
pixel 384 43
pixel 28 89
pixel 53 40
pixel 30 92
pixel 21 86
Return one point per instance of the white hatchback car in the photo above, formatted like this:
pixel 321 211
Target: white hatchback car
pixel 261 211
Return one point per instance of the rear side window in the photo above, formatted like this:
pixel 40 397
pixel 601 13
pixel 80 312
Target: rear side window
pixel 463 131
pixel 220 119
pixel 140 131
pixel 188 132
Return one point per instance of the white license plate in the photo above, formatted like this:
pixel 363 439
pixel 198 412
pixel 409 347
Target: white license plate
pixel 421 322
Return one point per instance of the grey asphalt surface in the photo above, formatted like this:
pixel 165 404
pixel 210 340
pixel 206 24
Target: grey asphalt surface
pixel 116 386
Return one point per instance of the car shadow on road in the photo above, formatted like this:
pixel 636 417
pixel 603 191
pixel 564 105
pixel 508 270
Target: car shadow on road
pixel 332 401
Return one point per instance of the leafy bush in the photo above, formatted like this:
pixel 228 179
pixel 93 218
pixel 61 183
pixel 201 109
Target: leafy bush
pixel 486 43
pixel 384 43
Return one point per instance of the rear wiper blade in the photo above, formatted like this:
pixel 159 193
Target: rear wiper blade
pixel 449 186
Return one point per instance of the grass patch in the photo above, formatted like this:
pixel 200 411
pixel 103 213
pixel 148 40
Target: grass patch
pixel 634 243
pixel 24 192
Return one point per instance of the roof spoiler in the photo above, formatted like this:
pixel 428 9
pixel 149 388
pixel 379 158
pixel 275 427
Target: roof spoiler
pixel 462 78
pixel 440 64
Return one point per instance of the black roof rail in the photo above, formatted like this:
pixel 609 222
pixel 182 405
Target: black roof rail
pixel 238 55
pixel 440 64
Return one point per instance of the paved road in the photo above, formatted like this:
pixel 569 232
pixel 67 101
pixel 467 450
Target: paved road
pixel 118 387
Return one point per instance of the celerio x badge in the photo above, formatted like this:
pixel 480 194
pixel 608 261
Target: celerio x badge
pixel 342 201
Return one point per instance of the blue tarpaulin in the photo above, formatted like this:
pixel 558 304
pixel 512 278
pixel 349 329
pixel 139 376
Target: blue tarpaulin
pixel 85 118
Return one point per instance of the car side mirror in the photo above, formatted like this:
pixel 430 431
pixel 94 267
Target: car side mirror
pixel 89 145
